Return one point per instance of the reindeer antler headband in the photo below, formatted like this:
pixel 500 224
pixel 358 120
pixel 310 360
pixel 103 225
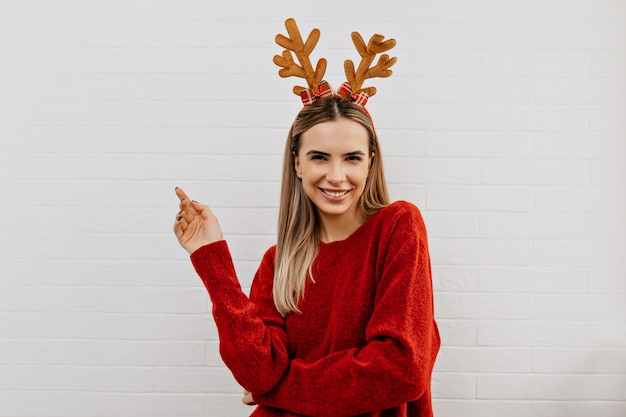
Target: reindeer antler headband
pixel 317 87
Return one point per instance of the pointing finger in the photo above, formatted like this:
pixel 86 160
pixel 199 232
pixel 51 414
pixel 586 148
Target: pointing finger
pixel 185 201
pixel 181 194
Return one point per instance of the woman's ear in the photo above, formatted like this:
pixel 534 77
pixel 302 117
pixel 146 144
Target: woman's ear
pixel 371 158
pixel 296 165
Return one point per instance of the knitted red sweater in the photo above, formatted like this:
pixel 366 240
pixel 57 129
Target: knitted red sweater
pixel 366 341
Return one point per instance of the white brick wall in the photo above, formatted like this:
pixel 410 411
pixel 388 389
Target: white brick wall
pixel 504 121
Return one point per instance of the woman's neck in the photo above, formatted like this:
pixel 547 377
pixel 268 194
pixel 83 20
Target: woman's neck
pixel 334 228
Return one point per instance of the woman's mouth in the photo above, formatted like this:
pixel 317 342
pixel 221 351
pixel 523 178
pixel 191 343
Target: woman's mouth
pixel 335 193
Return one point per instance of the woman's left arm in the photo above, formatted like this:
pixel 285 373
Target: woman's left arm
pixel 395 366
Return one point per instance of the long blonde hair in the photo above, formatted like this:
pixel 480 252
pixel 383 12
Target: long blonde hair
pixel 298 225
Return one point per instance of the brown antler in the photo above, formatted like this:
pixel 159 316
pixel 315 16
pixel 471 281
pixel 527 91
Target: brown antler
pixel 368 53
pixel 302 50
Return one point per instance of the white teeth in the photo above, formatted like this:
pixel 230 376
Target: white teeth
pixel 335 193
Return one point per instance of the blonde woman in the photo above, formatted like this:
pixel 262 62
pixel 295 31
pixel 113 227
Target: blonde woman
pixel 340 319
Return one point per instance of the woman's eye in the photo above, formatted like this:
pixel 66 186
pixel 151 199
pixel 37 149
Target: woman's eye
pixel 354 158
pixel 317 157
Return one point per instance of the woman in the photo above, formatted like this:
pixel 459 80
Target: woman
pixel 339 321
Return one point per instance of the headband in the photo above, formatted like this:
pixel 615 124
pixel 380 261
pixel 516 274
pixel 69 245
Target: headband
pixel 317 87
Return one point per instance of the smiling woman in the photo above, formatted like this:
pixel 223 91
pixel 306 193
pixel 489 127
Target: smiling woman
pixel 333 163
pixel 363 341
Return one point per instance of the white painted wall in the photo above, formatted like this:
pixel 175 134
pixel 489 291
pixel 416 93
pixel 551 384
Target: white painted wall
pixel 504 121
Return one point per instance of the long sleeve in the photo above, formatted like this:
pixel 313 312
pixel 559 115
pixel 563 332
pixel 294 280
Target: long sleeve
pixel 393 368
pixel 253 341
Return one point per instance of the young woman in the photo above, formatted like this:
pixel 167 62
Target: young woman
pixel 339 320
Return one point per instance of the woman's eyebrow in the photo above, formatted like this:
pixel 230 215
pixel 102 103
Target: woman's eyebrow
pixel 353 153
pixel 314 152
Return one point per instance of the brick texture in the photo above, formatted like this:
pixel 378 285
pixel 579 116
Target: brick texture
pixel 503 121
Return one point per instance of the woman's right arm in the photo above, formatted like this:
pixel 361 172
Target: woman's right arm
pixel 253 341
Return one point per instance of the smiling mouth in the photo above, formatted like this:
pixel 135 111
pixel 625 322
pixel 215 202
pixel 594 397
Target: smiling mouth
pixel 335 194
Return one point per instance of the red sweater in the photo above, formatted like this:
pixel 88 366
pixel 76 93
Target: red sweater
pixel 366 341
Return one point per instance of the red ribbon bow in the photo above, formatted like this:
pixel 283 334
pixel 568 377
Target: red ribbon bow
pixel 345 91
pixel 308 96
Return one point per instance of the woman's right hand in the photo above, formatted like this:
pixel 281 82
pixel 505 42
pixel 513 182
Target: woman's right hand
pixel 195 224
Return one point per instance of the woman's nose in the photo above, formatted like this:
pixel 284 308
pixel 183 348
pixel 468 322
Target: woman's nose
pixel 336 173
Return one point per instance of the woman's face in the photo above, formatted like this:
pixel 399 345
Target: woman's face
pixel 333 162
